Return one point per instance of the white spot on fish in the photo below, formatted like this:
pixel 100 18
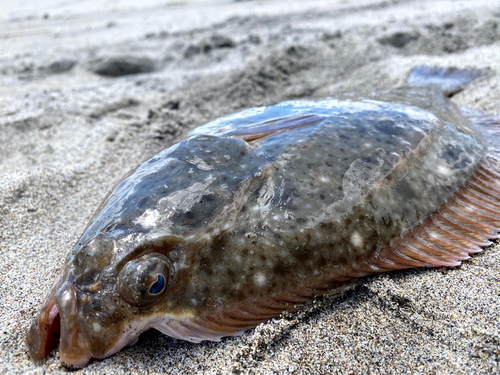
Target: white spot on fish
pixel 200 164
pixel 148 218
pixel 97 327
pixel 259 279
pixel 442 170
pixel 324 179
pixel 357 240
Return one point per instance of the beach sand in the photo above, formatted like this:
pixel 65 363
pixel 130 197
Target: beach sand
pixel 71 124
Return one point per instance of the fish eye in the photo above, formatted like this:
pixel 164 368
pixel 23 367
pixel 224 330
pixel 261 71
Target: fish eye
pixel 158 286
pixel 144 280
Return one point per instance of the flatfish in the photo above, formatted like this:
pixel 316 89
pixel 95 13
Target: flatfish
pixel 255 213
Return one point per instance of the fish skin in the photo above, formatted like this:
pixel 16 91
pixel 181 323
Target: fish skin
pixel 257 223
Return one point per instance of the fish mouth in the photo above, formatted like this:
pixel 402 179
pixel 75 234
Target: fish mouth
pixel 43 334
pixel 57 323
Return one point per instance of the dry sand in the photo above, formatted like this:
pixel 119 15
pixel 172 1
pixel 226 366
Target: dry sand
pixel 71 125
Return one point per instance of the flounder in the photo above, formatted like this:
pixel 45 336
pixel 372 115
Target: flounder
pixel 255 213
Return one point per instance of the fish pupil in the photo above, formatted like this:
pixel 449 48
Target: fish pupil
pixel 158 286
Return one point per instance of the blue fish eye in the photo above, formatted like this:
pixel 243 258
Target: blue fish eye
pixel 158 286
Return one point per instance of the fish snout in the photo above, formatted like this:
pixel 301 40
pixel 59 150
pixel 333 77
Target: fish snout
pixel 57 323
pixel 43 334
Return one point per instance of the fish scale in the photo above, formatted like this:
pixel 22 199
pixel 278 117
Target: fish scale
pixel 255 213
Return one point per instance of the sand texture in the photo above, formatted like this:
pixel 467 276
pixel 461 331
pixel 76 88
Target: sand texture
pixel 90 89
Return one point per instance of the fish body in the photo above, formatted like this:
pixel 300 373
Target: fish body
pixel 254 213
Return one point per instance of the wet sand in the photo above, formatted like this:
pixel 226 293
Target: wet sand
pixel 73 121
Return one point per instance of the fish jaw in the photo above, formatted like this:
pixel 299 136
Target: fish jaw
pixel 73 349
pixel 43 334
pixel 57 323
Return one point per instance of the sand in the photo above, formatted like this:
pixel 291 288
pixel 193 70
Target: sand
pixel 71 124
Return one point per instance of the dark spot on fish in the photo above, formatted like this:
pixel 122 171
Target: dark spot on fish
pixel 277 236
pixel 280 269
pixel 451 153
pixel 143 203
pixel 406 191
pixel 462 164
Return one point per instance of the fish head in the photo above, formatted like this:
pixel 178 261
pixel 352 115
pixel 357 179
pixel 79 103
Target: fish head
pixel 102 302
pixel 125 271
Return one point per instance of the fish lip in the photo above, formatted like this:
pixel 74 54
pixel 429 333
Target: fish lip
pixel 43 334
pixel 73 347
pixel 59 315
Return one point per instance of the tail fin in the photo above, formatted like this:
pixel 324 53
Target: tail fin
pixel 449 80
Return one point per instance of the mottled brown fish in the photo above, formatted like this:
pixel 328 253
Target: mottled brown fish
pixel 255 213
